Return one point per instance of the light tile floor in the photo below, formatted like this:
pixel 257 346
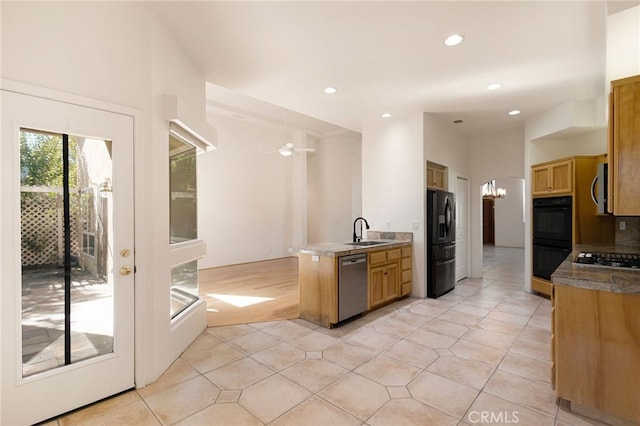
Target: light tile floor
pixel 478 355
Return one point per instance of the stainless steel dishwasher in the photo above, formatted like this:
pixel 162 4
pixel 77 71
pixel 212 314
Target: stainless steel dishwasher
pixel 352 285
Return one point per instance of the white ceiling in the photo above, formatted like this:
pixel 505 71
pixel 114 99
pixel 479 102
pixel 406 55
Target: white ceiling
pixel 264 57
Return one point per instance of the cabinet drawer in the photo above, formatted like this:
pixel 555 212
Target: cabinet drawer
pixel 406 251
pixel 406 263
pixel 394 254
pixel 406 276
pixel 377 257
pixel 406 289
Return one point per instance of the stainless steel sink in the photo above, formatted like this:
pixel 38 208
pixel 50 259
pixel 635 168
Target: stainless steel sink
pixel 366 243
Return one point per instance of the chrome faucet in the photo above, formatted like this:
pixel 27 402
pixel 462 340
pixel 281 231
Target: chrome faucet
pixel 355 236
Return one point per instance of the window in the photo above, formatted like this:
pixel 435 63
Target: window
pixel 183 219
pixel 183 215
pixel 184 286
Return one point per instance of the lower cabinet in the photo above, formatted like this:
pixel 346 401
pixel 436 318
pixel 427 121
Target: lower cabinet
pixel 389 278
pixel 383 284
pixel 384 279
pixel 406 274
pixel 595 350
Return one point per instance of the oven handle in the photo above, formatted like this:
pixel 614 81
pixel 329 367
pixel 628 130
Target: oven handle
pixel 593 190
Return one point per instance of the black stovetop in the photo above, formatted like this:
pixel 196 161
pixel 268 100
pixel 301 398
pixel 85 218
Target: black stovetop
pixel 616 260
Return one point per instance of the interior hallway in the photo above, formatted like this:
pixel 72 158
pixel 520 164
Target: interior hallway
pixel 484 347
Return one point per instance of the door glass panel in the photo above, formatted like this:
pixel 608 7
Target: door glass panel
pixel 67 261
pixel 183 200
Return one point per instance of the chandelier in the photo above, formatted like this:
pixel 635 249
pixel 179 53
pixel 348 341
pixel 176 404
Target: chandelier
pixel 489 190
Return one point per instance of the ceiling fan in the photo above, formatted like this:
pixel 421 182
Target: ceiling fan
pixel 288 148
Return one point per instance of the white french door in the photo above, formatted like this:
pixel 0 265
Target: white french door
pixel 67 256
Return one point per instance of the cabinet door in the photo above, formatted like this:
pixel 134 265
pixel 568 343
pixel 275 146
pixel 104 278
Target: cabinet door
pixel 435 178
pixel 383 284
pixel 626 149
pixel 561 177
pixel 376 285
pixel 552 179
pixel 540 180
pixel 390 282
pixel 430 177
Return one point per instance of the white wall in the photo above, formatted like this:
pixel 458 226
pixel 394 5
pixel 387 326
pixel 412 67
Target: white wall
pixel 117 52
pixel 623 45
pixel 394 156
pixel 509 213
pixel 334 187
pixel 445 145
pixel 393 183
pixel 245 194
pixel 171 73
pixel 496 155
pixel 542 150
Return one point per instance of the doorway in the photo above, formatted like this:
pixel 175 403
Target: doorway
pixel 462 225
pixel 67 256
pixel 488 221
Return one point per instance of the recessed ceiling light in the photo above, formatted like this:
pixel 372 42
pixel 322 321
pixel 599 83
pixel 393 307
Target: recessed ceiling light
pixel 494 86
pixel 454 39
pixel 386 115
pixel 330 90
pixel 514 112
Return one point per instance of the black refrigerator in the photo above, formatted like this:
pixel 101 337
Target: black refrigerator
pixel 441 243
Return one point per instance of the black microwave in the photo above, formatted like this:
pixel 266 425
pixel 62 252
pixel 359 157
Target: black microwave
pixel 599 189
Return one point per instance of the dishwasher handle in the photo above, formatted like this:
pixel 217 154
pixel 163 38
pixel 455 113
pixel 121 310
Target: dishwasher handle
pixel 354 260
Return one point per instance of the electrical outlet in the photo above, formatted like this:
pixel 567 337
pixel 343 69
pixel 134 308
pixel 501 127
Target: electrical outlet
pixel 623 225
pixel 388 224
pixel 415 224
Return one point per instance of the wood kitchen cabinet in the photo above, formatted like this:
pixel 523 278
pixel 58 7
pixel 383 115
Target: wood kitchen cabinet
pixel 384 277
pixel 624 147
pixel 555 178
pixel 573 176
pixel 595 350
pixel 383 284
pixel 389 277
pixel 318 278
pixel 406 272
pixel 436 176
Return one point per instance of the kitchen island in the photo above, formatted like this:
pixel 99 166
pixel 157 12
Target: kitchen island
pixel 596 337
pixel 388 275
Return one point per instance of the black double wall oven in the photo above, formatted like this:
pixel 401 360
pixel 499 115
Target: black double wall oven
pixel 552 234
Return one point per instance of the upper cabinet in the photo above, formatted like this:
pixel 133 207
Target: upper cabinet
pixel 436 175
pixel 624 147
pixel 555 178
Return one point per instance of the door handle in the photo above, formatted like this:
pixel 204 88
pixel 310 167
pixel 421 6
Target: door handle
pixel 593 190
pixel 125 270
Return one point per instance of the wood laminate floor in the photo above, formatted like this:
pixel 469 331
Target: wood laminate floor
pixel 251 292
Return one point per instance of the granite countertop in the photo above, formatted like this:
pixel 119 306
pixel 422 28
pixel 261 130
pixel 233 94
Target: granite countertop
pixel 345 249
pixel 596 277
pixel 390 239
